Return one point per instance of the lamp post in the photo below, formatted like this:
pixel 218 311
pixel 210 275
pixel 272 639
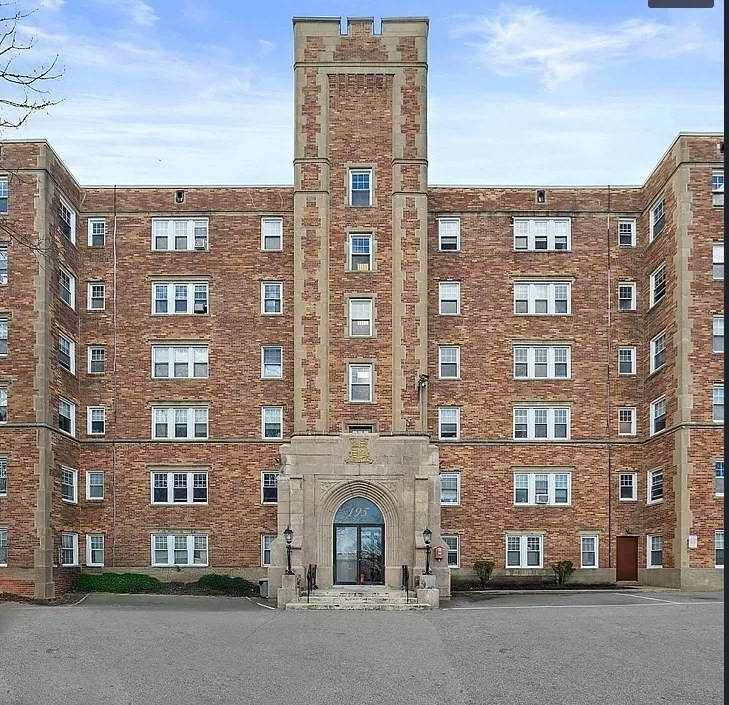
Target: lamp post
pixel 289 536
pixel 427 537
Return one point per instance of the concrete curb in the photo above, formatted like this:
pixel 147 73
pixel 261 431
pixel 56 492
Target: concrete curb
pixel 564 591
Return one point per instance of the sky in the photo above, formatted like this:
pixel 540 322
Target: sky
pixel 533 92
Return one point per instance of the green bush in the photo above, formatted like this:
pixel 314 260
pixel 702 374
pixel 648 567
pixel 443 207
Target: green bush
pixel 483 571
pixel 116 582
pixel 227 585
pixel 563 571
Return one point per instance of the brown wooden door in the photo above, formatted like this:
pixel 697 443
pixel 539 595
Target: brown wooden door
pixel 627 558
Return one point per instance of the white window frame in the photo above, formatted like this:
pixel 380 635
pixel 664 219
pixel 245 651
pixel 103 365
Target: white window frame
pixel 351 254
pixel 170 422
pixel 264 349
pixel 92 222
pixel 3 404
pixel 632 412
pixel 90 412
pixel 266 542
pixel 89 358
pixel 73 484
pixel 717 334
pixel 353 381
pixel 657 217
pixel 352 303
pixel 278 298
pixel 717 393
pixel 442 411
pixel 628 226
pixel 457 361
pixel 4 192
pixel 3 266
pixel 531 297
pixel 445 237
pixel 269 479
pixel 194 228
pixel 276 231
pixel 89 485
pixel 658 272
pixel 718 475
pixel 657 405
pixel 633 485
pixel 72 353
pixel 719 533
pixel 450 475
pixel 633 297
pixel 4 336
pixel 596 551
pixel 71 289
pixel 271 409
pixel 350 179
pixel 717 188
pixel 190 351
pixel 523 546
pixel 627 353
pixel 90 298
pixel 73 548
pixel 717 261
pixel 90 550
pixel 169 486
pixel 72 411
pixel 658 346
pixel 526 235
pixel 656 473
pixel 3 547
pixel 551 423
pixel 649 550
pixel 454 547
pixel 71 222
pixel 546 499
pixel 442 299
pixel 3 477
pixel 189 548
pixel 190 299
pixel 528 354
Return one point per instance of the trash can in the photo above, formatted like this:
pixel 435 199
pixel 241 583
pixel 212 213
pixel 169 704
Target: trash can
pixel 263 587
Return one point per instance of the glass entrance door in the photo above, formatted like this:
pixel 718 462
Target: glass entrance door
pixel 345 554
pixel 359 544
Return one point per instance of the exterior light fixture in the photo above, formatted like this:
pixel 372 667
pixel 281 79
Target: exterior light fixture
pixel 427 538
pixel 289 537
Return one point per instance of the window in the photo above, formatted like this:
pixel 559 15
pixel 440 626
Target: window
pixel 719 477
pixel 67 221
pixel 3 405
pixel 626 421
pixel 96 296
pixel 269 487
pixel 718 337
pixel 449 298
pixel 95 420
pixel 179 422
pixel 180 487
pixel 4 194
pixel 452 541
pixel 3 337
pixel 360 428
pixel 95 484
pixel 550 488
pixel 449 422
pixel 3 266
pixel 67 353
pixel 658 217
pixel 626 296
pixel 718 259
pixel 97 232
pixel 179 549
pixel 718 548
pixel 96 359
pixel 360 383
pixel 179 361
pixel 542 298
pixel 271 298
pixel 67 287
pixel 69 484
pixel 272 234
pixel 658 415
pixel 658 351
pixel 3 546
pixel 542 234
pixel 541 423
pixel 548 362
pixel 95 549
pixel 272 421
pixel 69 549
pixel 626 232
pixel 67 416
pixel 450 489
pixel 179 234
pixel 658 284
pixel 360 317
pixel 717 188
pixel 628 487
pixel 449 234
pixel 360 253
pixel 626 360
pixel 186 298
pixel 271 362
pixel 655 486
pixel 718 403
pixel 524 551
pixel 266 541
pixel 588 552
pixel 655 552
pixel 449 362
pixel 3 477
pixel 360 187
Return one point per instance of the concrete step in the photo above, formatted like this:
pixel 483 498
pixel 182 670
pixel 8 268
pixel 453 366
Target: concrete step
pixel 374 599
pixel 357 605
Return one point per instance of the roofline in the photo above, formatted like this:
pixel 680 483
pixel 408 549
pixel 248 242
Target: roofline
pixel 188 186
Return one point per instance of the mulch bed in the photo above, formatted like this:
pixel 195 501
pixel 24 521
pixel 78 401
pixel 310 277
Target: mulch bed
pixel 535 587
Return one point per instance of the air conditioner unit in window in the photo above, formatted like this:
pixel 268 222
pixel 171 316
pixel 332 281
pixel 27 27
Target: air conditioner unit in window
pixel 201 307
pixel 542 499
pixel 201 243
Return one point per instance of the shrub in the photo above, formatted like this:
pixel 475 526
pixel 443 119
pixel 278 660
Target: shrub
pixel 116 582
pixel 563 571
pixel 483 571
pixel 227 584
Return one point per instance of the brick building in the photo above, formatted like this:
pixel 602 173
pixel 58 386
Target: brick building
pixel 186 372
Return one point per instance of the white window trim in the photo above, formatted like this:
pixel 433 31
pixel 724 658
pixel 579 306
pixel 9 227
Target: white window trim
pixel 89 562
pixel 72 216
pixel 90 230
pixel 190 423
pixel 551 363
pixel 653 417
pixel 657 202
pixel 73 417
pixel 654 340
pixel 633 299
pixel 457 475
pixel 351 254
pixel 190 550
pixel 190 298
pixel 264 473
pixel 596 537
pixel 457 537
pixel 441 298
pixel 714 334
pixel 457 221
pixel 648 563
pixel 74 485
pixel 633 229
pixel 74 548
pixel 551 234
pixel 190 234
pixel 280 298
pixel 264 538
pixel 551 298
pixel 263 368
pixel 716 533
pixel 89 412
pixel 352 172
pixel 263 423
pixel 717 460
pixel 716 246
pixel 88 485
pixel 89 348
pixel 4 468
pixel 72 285
pixel 654 273
pixel 350 383
pixel 271 219
pixel 634 423
pixel 72 353
pixel 89 298
pixel 649 486
pixel 441 409
pixel 171 360
pixel 634 498
pixel 633 360
pixel 550 423
pixel 714 404
pixel 457 348
pixel 190 488
pixel 523 551
pixel 351 317
pixel 6 532
pixel 531 474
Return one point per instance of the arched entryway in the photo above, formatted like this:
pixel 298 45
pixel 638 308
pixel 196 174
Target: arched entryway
pixel 359 543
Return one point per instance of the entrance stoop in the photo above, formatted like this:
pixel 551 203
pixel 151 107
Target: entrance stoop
pixel 359 598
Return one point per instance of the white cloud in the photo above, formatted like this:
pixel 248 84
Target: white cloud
pixel 138 11
pixel 53 5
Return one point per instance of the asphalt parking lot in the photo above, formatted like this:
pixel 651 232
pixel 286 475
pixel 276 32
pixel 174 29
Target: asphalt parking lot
pixel 569 649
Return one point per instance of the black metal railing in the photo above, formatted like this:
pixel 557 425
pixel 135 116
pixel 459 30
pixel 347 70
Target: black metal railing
pixel 405 581
pixel 310 580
